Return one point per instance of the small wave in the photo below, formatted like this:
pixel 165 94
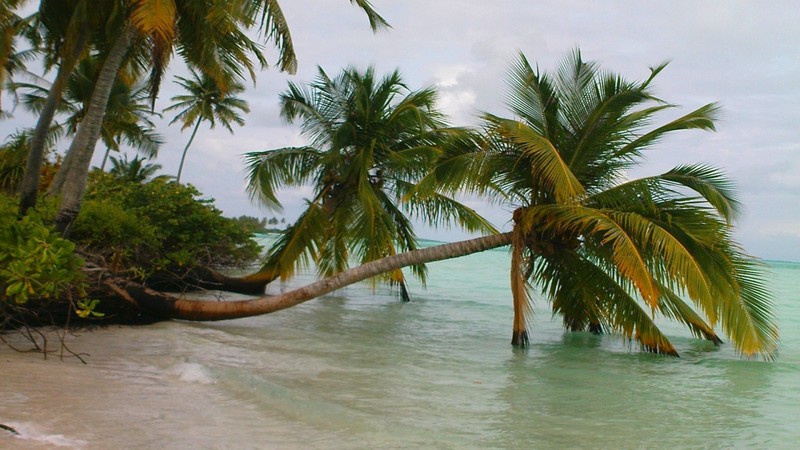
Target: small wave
pixel 192 373
pixel 31 432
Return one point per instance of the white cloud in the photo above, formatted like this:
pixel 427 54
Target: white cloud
pixel 740 53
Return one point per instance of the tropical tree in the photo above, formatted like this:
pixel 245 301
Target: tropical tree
pixel 210 36
pixel 63 30
pixel 134 170
pixel 9 30
pixel 206 100
pixel 370 140
pixel 608 252
pixel 127 119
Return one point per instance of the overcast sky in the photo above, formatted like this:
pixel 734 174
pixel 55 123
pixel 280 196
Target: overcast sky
pixel 743 54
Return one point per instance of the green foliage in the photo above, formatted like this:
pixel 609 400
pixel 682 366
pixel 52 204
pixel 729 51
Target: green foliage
pixel 371 141
pixel 35 263
pixel 158 227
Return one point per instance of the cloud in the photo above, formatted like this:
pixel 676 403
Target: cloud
pixel 739 53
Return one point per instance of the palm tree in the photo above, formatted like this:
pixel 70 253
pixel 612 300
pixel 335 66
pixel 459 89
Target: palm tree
pixel 608 252
pixel 206 100
pixel 127 117
pixel 134 171
pixel 62 29
pixel 371 140
pixel 209 35
pixel 13 155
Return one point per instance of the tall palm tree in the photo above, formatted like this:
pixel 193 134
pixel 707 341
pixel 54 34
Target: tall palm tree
pixel 371 139
pixel 210 35
pixel 206 100
pixel 63 30
pixel 127 117
pixel 608 252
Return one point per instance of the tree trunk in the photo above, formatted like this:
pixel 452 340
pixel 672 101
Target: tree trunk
pixel 29 188
pixel 105 158
pixel 185 149
pixel 83 144
pixel 519 290
pixel 166 307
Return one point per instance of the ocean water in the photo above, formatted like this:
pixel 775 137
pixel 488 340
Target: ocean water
pixel 361 370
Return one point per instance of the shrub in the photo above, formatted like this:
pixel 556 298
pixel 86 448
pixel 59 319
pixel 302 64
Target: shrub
pixel 35 264
pixel 159 226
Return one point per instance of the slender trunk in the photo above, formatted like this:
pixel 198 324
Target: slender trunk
pixel 185 149
pixel 61 175
pixel 29 188
pixel 166 307
pixel 519 290
pixel 88 133
pixel 105 158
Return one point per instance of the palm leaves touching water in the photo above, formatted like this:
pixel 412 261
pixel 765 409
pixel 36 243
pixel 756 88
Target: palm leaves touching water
pixel 609 253
pixel 370 140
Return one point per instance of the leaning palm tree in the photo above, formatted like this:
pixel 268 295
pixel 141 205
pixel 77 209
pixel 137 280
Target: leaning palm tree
pixel 206 100
pixel 370 140
pixel 610 253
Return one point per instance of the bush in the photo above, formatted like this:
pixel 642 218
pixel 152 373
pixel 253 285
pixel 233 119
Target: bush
pixel 36 265
pixel 159 227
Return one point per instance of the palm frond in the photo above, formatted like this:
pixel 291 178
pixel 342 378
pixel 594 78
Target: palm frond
pixel 269 170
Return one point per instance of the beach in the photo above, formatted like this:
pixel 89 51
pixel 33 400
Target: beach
pixel 360 369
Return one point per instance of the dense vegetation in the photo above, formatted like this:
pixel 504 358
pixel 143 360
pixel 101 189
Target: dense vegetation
pixel 608 253
pixel 155 233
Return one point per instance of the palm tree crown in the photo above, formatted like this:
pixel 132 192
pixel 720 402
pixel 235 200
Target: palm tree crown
pixel 610 252
pixel 128 115
pixel 134 170
pixel 206 100
pixel 370 140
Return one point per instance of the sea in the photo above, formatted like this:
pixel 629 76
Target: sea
pixel 359 369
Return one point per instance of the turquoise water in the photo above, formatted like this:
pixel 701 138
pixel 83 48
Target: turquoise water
pixel 359 369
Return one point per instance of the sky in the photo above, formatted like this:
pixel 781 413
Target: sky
pixel 744 55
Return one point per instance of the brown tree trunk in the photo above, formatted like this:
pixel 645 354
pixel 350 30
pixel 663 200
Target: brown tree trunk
pixel 29 187
pixel 83 144
pixel 163 306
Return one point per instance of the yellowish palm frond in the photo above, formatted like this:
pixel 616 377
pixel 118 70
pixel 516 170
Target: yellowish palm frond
pixel 155 18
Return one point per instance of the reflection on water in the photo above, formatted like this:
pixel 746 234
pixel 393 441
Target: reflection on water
pixel 363 370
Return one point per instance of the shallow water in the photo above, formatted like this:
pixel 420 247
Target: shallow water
pixel 359 369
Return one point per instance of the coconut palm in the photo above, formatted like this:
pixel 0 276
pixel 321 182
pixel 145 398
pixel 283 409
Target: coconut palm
pixel 62 30
pixel 127 117
pixel 206 100
pixel 609 253
pixel 134 170
pixel 210 36
pixel 370 140
pixel 13 155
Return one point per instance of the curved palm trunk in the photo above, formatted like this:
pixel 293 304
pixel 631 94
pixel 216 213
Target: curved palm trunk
pixel 165 307
pixel 185 149
pixel 83 144
pixel 29 187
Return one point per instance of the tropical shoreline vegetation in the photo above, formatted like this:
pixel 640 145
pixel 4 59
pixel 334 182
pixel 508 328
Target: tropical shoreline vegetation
pixel 608 252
